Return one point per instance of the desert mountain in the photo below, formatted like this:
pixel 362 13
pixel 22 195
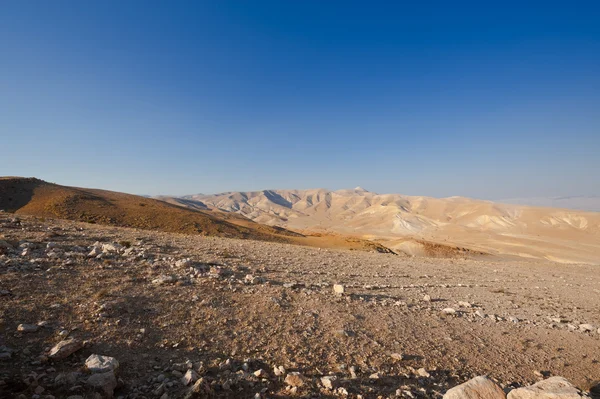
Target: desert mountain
pixel 30 196
pixel 404 222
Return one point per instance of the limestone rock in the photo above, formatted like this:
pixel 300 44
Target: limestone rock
pixel 338 289
pixel 101 364
pixel 164 280
pixel 477 388
pixel 330 382
pixel 294 379
pixel 65 348
pixel 190 377
pixel 261 373
pixel 423 373
pixel 551 388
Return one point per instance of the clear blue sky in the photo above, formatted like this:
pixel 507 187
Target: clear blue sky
pixel 178 97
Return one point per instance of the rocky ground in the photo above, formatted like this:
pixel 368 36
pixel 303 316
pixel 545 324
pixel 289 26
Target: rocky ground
pixel 95 311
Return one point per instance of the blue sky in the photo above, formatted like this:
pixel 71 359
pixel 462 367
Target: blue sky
pixel 440 99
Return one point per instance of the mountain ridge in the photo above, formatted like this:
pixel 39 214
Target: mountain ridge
pixel 399 221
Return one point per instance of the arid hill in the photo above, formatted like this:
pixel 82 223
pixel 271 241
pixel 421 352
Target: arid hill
pixel 412 224
pixel 30 196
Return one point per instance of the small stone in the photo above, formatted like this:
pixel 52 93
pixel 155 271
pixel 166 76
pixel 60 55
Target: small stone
pixel 480 314
pixel 397 356
pixel 586 327
pixel 330 382
pixel 294 379
pixel 261 373
pixel 101 364
pixel 338 289
pixel 423 373
pixel 427 298
pixel 278 371
pixel 374 376
pixel 164 280
pixel 189 378
pixel 352 370
pixel 477 388
pixel 449 311
pixel 65 348
pixel 28 328
pixel 464 304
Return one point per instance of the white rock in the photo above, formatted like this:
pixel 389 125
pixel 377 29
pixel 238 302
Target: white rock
pixel 164 280
pixel 477 388
pixel 101 364
pixel 449 311
pixel 423 373
pixel 190 377
pixel 295 379
pixel 330 382
pixel 427 298
pixel 261 373
pixel 586 327
pixel 464 304
pixel 551 388
pixel 110 248
pixel 338 289
pixel 278 371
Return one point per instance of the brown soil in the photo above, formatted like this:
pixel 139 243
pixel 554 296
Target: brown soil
pixel 532 315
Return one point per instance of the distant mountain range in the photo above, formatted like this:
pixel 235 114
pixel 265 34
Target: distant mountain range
pixel 405 223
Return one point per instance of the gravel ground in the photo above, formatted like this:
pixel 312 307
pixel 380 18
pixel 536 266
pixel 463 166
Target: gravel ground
pixel 218 311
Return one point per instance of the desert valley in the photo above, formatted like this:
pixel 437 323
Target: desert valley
pixel 291 293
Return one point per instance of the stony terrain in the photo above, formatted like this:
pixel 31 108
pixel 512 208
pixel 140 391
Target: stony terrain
pixel 96 311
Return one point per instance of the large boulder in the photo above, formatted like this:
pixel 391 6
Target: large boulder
pixel 551 388
pixel 477 388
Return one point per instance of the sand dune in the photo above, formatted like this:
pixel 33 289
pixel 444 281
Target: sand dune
pixel 404 222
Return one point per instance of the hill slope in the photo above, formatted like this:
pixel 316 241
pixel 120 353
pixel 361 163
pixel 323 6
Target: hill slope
pixel 400 222
pixel 36 197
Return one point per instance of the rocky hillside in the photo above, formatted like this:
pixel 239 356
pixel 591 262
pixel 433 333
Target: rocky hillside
pixel 404 222
pixel 30 196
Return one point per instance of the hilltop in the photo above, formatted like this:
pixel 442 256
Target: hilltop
pixel 31 196
pixel 35 197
